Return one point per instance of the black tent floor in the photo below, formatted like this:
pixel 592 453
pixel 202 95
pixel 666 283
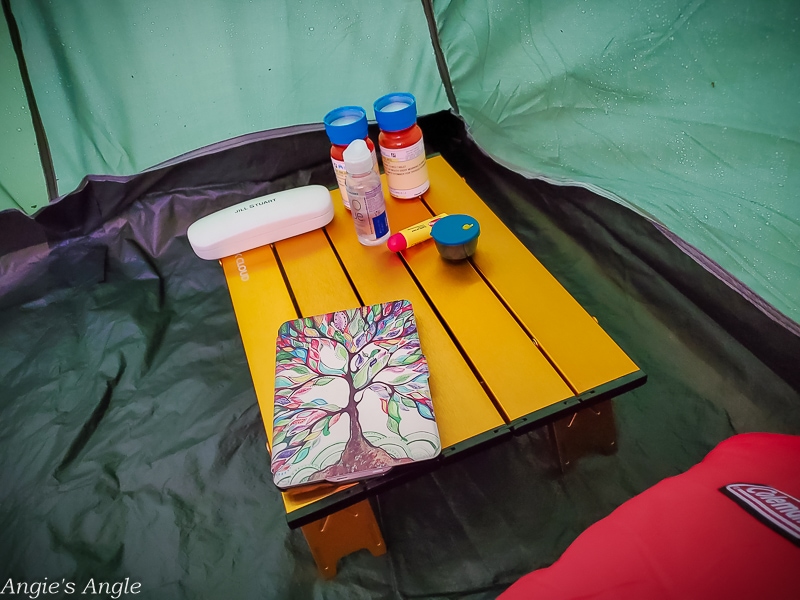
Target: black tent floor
pixel 131 445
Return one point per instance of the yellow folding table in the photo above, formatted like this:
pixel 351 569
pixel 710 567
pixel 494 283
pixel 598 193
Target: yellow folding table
pixel 507 346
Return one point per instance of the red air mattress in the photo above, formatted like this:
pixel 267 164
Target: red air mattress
pixel 690 536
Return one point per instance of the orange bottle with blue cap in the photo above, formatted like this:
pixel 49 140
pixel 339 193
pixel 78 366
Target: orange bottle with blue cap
pixel 401 145
pixel 343 126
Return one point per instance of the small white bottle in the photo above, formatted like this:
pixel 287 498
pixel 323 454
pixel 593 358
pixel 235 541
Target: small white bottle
pixel 364 189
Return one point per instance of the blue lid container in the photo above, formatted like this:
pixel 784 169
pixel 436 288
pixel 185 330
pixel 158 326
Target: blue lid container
pixel 395 112
pixel 456 236
pixel 346 124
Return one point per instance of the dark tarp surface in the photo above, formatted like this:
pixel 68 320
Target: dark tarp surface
pixel 131 444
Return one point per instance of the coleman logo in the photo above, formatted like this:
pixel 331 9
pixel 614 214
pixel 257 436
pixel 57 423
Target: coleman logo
pixel 241 267
pixel 773 507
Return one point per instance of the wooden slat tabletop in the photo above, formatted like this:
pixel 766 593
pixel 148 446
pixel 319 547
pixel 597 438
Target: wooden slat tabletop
pixel 584 354
pixel 503 338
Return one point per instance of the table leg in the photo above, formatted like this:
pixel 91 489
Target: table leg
pixel 342 533
pixel 586 431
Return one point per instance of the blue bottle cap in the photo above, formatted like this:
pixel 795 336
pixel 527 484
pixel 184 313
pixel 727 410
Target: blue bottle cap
pixel 346 124
pixel 395 112
pixel 455 230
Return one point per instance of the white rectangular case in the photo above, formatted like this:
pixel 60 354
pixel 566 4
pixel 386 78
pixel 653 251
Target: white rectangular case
pixel 261 221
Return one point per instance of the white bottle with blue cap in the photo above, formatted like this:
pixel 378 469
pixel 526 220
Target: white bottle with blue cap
pixel 367 204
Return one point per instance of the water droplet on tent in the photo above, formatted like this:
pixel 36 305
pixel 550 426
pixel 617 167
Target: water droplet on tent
pixel 20 129
pixel 311 29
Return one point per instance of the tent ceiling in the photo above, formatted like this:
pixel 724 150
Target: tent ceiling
pixel 686 112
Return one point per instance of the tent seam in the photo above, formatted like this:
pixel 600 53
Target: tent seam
pixel 42 144
pixel 438 53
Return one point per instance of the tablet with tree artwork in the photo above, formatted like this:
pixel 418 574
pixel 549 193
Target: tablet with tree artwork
pixel 351 396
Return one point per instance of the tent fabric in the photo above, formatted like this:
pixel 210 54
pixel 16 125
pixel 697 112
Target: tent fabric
pixel 22 184
pixel 127 85
pixel 685 111
pixel 131 444
pixel 683 538
pixel 682 111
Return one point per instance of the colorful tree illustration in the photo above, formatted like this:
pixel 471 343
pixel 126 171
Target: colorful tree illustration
pixel 327 366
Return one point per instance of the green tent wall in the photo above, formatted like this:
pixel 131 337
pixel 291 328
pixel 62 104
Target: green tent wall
pixel 686 112
pixel 130 441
